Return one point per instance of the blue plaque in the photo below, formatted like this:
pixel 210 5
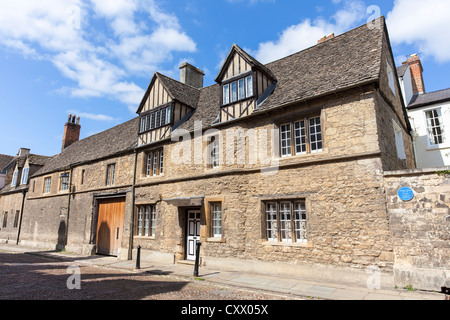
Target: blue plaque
pixel 406 194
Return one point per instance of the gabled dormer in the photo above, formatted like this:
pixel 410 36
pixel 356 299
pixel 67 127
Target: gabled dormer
pixel 245 84
pixel 165 105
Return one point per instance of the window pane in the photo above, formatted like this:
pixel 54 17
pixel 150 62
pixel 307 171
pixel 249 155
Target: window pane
pixel 158 119
pixel 249 86
pixel 271 221
pixel 140 221
pixel 147 221
pixel 24 179
pixel 14 179
pixel 168 115
pixel 217 220
pixel 163 117
pixel 215 152
pixel 47 185
pixel 315 134
pixel 241 89
pixel 300 137
pixel 300 221
pixel 285 222
pixel 435 127
pixel 226 94
pixel 143 122
pixel 152 121
pixel 285 139
pixel 161 161
pixel 153 220
pixel 155 163
pixel 149 164
pixel 233 91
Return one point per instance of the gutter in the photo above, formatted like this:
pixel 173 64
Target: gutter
pixel 68 207
pixel 24 192
pixel 133 192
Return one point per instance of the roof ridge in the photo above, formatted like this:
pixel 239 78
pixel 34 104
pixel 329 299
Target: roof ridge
pixel 323 43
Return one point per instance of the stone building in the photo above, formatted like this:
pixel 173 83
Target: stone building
pixel 17 173
pixel 274 168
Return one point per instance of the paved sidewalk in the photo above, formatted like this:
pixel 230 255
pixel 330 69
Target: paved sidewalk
pixel 298 288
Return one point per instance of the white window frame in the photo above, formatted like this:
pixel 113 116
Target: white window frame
pixel 300 137
pixel 271 221
pixel 318 135
pixel 217 220
pixel 14 179
pixel 237 90
pixel 154 163
pixel 399 145
pixel 110 174
pixel 214 152
pixel 249 86
pixel 285 140
pixel 47 185
pixel 146 221
pixel 226 94
pixel 285 221
pixel 432 126
pixel 24 178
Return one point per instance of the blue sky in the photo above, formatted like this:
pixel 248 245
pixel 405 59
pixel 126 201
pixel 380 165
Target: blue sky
pixel 95 58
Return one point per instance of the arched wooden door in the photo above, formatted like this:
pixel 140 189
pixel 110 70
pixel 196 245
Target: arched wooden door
pixel 111 213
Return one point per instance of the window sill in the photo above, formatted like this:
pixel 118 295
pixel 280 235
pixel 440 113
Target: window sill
pixel 144 237
pixel 438 147
pixel 287 244
pixel 219 240
pixel 304 155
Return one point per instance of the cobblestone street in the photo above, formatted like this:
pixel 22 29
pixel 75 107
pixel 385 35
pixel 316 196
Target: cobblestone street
pixel 29 277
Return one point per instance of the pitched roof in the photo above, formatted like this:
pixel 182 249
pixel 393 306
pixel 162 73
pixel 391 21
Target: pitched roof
pixel 121 138
pixel 179 91
pixel 184 93
pixel 5 161
pixel 350 59
pixel 425 99
pixel 248 58
pixel 402 70
pixel 339 63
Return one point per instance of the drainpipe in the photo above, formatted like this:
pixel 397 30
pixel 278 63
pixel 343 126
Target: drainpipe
pixel 24 192
pixel 68 207
pixel 133 187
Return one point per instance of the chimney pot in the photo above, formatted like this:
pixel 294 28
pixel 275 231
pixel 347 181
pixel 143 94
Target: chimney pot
pixel 325 38
pixel 191 75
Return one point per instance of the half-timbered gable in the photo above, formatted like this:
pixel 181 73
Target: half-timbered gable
pixel 245 84
pixel 165 104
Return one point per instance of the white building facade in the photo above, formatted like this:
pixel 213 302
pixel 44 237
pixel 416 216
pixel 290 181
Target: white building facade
pixel 429 115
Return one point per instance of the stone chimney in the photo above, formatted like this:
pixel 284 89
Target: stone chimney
pixel 23 152
pixel 328 37
pixel 416 74
pixel 72 130
pixel 191 75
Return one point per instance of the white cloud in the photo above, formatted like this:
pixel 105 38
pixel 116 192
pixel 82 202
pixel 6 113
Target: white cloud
pixel 251 2
pixel 306 34
pixel 424 24
pixel 92 116
pixel 101 64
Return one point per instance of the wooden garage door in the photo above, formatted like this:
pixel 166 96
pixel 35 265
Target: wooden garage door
pixel 111 213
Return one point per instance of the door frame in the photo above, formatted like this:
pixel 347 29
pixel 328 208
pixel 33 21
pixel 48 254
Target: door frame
pixel 94 224
pixel 186 235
